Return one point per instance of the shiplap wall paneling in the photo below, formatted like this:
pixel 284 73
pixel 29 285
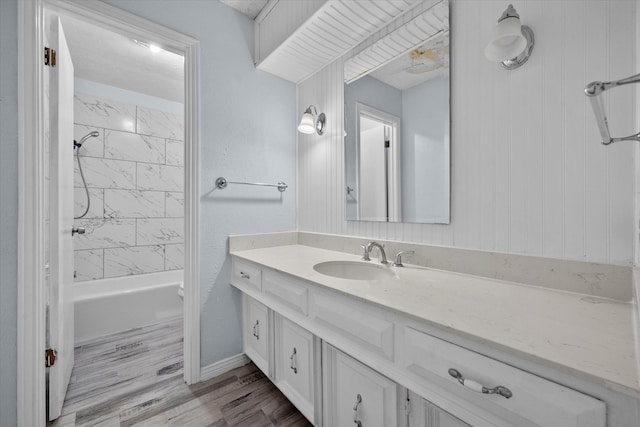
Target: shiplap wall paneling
pixel 529 174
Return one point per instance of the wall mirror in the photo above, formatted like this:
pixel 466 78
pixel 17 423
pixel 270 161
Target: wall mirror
pixel 397 122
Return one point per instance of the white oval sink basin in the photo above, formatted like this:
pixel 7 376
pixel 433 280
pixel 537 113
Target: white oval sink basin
pixel 353 270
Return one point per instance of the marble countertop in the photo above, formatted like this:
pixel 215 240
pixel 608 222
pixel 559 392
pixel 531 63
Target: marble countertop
pixel 582 335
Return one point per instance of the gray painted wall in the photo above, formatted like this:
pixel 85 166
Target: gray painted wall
pixel 8 209
pixel 248 132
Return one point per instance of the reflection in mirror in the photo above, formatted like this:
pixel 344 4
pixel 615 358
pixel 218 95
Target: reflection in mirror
pixel 397 130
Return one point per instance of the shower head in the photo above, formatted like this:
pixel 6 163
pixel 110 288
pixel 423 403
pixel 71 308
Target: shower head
pixel 92 134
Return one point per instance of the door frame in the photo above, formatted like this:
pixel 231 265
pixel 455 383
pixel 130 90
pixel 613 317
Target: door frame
pixel 31 372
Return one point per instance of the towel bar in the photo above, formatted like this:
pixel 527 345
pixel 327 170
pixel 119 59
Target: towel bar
pixel 593 90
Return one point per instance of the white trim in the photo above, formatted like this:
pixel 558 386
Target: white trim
pixel 31 282
pixel 31 290
pixel 223 366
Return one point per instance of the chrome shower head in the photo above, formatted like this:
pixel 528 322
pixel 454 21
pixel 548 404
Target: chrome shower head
pixel 92 134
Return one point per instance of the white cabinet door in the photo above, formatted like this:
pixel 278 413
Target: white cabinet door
pixel 425 414
pixel 256 332
pixel 354 394
pixel 294 365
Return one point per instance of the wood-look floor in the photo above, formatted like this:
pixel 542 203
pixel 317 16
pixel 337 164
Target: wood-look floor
pixel 135 379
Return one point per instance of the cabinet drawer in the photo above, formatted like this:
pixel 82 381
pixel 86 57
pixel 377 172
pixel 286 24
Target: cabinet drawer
pixel 360 323
pixel 256 332
pixel 353 392
pixel 534 400
pixel 288 291
pixel 245 273
pixel 294 367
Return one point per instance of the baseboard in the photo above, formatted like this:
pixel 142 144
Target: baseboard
pixel 222 366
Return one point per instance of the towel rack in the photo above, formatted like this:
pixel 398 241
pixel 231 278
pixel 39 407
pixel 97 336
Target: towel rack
pixel 222 182
pixel 593 90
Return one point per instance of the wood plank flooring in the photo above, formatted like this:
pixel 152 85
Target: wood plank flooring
pixel 135 379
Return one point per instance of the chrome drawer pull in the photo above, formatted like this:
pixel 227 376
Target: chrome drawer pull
pixel 293 366
pixel 256 330
pixel 355 411
pixel 244 275
pixel 477 387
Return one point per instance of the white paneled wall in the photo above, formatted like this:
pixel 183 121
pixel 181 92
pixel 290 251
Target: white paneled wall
pixel 528 172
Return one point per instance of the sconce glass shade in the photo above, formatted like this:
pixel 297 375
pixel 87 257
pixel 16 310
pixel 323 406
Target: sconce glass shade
pixel 307 123
pixel 512 43
pixel 310 122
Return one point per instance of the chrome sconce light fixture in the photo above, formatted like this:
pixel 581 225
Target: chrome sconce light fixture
pixel 312 122
pixel 512 43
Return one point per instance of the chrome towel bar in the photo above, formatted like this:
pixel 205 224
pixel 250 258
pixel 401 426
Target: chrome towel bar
pixel 222 182
pixel 593 90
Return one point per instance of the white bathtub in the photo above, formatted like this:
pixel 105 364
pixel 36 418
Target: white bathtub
pixel 106 306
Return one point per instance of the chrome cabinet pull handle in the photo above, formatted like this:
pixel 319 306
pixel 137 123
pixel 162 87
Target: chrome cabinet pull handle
pixel 293 364
pixel 244 275
pixel 256 330
pixel 479 388
pixel 356 419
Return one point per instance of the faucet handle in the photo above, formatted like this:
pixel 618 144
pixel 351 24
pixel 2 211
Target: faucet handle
pixel 365 255
pixel 398 262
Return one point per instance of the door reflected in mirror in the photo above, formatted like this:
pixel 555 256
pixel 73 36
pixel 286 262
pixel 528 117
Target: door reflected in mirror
pixel 397 122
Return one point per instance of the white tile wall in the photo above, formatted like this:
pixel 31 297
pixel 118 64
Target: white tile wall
pixel 159 123
pixel 89 264
pixel 101 113
pixel 174 257
pixel 131 146
pixel 105 233
pixel 160 177
pixel 175 152
pixel 106 173
pixel 133 204
pixel 133 260
pixel 528 172
pixel 158 231
pixel 135 173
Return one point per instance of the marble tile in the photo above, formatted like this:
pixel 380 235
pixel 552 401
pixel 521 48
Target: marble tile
pixel 133 204
pixel 101 113
pixel 130 146
pixel 158 231
pixel 175 153
pixel 106 173
pixel 88 264
pixel 96 207
pixel 174 257
pixel 160 177
pixel 92 147
pixel 159 123
pixel 174 205
pixel 133 260
pixel 105 233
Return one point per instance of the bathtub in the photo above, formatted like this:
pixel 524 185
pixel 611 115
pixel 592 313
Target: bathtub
pixel 106 306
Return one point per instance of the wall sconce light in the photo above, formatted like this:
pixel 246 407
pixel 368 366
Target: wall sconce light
pixel 312 122
pixel 512 43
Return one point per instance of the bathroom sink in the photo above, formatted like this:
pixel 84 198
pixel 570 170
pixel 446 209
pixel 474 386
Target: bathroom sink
pixel 353 270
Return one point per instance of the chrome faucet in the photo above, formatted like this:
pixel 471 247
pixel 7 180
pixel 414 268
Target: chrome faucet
pixel 367 251
pixel 398 262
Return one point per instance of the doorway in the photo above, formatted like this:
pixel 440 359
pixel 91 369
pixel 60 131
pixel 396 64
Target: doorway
pixel 32 298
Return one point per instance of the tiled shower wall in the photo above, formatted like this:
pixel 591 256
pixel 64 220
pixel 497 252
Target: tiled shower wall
pixel 135 174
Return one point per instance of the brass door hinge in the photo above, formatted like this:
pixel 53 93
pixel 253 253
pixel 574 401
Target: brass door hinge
pixel 49 57
pixel 50 357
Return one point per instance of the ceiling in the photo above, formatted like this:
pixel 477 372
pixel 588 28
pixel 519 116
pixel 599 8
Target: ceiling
pixel 109 58
pixel 251 8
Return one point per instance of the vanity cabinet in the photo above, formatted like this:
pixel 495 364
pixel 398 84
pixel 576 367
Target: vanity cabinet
pixel 256 333
pixel 344 362
pixel 294 364
pixel 425 414
pixel 356 394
